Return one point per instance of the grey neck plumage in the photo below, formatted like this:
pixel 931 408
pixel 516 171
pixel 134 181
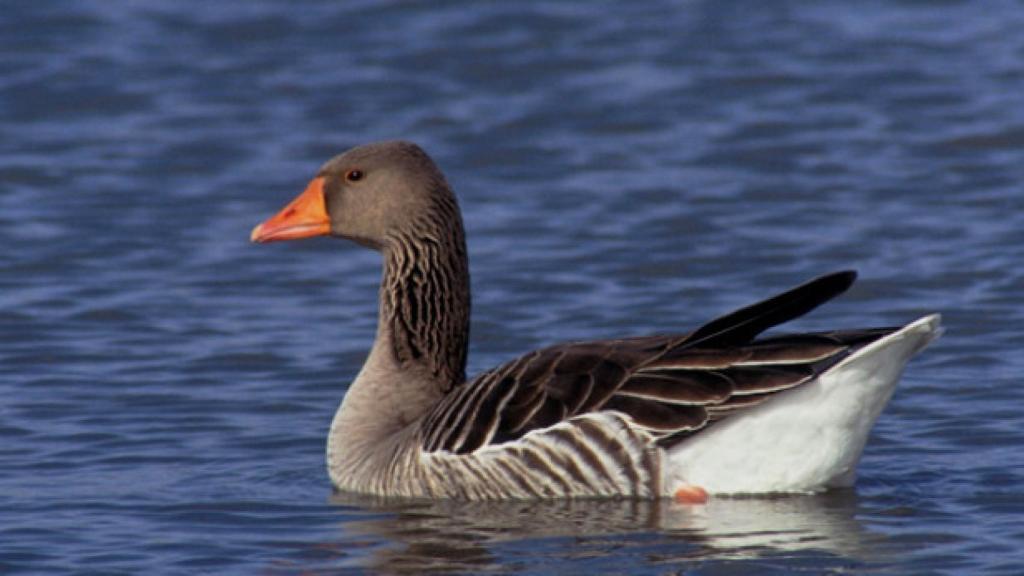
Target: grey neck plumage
pixel 424 297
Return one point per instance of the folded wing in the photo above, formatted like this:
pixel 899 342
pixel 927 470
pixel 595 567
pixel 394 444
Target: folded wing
pixel 670 386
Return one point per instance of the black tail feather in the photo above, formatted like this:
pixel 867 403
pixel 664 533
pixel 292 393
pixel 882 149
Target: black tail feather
pixel 745 324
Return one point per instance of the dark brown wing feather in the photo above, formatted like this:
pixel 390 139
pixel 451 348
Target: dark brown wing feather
pixel 669 385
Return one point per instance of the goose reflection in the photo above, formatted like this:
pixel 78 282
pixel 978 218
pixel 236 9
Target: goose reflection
pixel 405 536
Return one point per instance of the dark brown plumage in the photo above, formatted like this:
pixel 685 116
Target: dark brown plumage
pixel 669 385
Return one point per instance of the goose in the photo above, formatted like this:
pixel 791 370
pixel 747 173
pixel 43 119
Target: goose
pixel 720 410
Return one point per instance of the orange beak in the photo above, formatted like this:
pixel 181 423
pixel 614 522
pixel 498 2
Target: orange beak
pixel 306 216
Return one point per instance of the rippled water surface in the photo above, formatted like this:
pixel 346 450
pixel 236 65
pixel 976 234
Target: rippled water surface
pixel 624 168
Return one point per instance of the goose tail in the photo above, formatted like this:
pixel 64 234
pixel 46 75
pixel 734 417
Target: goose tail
pixel 806 439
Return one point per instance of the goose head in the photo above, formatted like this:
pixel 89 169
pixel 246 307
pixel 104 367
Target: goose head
pixel 370 194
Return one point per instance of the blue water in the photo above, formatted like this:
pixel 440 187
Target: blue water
pixel 624 168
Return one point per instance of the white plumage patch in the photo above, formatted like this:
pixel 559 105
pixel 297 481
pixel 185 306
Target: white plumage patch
pixel 805 439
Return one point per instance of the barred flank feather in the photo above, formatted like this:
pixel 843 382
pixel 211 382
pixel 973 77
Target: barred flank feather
pixel 597 454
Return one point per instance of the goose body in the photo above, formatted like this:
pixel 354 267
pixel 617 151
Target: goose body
pixel 719 410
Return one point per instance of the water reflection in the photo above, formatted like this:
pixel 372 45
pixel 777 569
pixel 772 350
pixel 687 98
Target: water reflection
pixel 408 536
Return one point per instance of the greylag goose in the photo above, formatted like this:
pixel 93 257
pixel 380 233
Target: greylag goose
pixel 718 410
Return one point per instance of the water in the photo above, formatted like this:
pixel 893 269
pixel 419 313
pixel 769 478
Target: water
pixel 624 169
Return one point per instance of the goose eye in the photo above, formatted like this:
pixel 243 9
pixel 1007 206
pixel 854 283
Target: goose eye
pixel 354 175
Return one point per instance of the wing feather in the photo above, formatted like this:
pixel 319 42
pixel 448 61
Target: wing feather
pixel 695 387
pixel 744 324
pixel 772 378
pixel 659 417
pixel 668 385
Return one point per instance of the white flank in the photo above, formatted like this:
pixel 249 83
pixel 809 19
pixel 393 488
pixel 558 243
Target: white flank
pixel 806 439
